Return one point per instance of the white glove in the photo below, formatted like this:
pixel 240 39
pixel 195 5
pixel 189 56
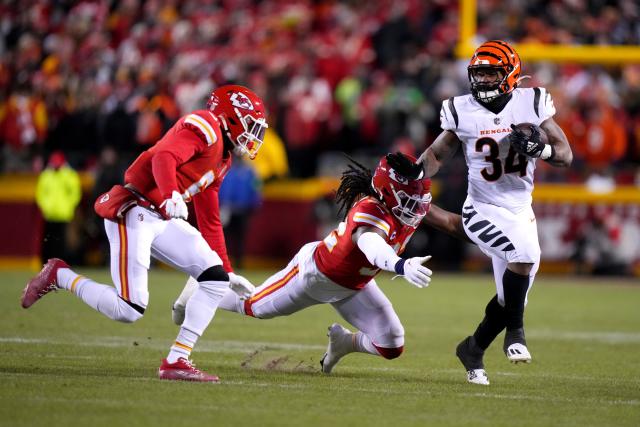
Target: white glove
pixel 241 286
pixel 417 274
pixel 175 207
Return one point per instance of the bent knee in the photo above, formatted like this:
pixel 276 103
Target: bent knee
pixel 128 312
pixel 522 268
pixel 397 333
pixel 127 316
pixel 390 353
pixel 215 273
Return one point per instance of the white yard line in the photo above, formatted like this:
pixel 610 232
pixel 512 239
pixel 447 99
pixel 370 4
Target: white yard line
pixel 204 346
pixel 243 347
pixel 374 391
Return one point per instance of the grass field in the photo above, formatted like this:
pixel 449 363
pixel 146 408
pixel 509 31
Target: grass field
pixel 62 364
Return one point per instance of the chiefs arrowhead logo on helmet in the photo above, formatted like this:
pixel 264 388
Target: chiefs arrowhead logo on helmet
pixel 240 100
pixel 397 177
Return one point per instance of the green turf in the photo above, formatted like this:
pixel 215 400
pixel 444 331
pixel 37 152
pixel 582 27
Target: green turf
pixel 61 364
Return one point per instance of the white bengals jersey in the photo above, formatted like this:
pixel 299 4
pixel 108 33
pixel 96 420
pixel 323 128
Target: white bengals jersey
pixel 497 174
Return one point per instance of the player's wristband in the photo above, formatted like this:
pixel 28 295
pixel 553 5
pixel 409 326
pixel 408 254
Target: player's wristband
pixel 399 267
pixel 548 152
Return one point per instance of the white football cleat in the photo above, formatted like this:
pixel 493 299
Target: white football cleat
pixel 517 353
pixel 478 376
pixel 180 305
pixel 515 346
pixel 470 355
pixel 340 344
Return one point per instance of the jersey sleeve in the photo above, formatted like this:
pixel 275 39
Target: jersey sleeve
pixel 449 115
pixel 545 107
pixel 169 154
pixel 371 214
pixel 207 209
pixel 204 125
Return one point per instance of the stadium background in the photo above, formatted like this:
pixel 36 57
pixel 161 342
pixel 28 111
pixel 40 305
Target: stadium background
pixel 101 80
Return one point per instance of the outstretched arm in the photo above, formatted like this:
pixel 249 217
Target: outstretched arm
pixel 442 149
pixel 372 242
pixel 447 222
pixel 563 156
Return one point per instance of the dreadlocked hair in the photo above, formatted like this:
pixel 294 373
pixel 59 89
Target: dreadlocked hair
pixel 355 183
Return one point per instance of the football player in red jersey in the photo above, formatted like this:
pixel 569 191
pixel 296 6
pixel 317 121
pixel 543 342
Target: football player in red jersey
pixel 146 217
pixel 383 211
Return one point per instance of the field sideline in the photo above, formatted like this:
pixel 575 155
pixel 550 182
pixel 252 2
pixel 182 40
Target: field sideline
pixel 62 364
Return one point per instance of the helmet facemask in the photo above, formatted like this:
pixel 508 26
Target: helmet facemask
pixel 249 141
pixel 410 209
pixel 487 91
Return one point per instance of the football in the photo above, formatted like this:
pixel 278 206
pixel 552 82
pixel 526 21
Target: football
pixel 527 129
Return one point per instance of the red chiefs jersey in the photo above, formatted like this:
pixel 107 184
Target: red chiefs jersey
pixel 340 259
pixel 190 158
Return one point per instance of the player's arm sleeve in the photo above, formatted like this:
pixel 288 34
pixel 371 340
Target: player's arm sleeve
pixel 207 208
pixel 378 251
pixel 202 128
pixel 371 219
pixel 449 115
pixel 169 154
pixel 543 104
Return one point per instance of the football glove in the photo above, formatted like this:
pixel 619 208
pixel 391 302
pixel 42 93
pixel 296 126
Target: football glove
pixel 175 207
pixel 531 145
pixel 241 286
pixel 404 166
pixel 414 272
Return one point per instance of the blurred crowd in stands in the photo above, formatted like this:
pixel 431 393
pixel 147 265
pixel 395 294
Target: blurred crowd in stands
pixel 101 80
pixel 357 76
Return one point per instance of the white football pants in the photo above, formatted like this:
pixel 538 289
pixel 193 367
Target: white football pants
pixel 300 285
pixel 504 236
pixel 142 234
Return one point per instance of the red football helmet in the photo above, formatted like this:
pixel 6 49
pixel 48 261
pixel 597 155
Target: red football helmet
pixel 408 199
pixel 498 58
pixel 242 115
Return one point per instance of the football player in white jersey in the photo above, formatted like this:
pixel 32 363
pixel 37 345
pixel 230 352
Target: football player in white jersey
pixel 497 213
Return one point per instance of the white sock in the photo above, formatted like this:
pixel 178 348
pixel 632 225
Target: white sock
pixel 102 298
pixel 65 278
pixel 199 312
pixel 182 346
pixel 363 344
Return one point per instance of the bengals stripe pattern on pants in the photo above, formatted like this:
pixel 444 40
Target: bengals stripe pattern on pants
pixel 485 230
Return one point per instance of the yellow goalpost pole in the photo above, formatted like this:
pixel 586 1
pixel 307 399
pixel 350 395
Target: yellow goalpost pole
pixel 595 54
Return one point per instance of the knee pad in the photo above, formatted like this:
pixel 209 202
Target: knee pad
pixel 390 353
pixel 128 312
pixel 213 274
